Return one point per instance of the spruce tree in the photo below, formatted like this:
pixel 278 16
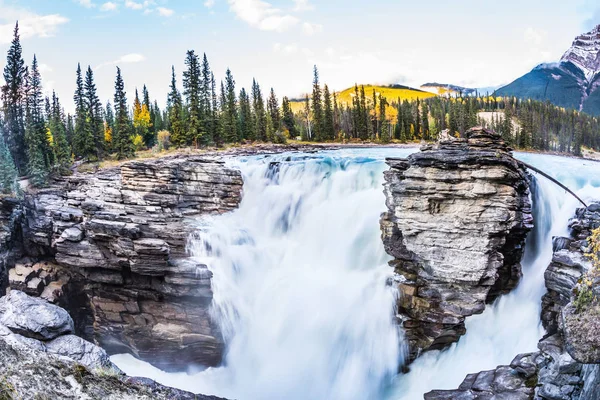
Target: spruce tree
pixel 94 118
pixel 328 129
pixel 38 148
pixel 425 123
pixel 260 114
pixel 13 101
pixel 175 113
pixel 246 120
pixel 215 129
pixel 288 118
pixel 83 140
pixel 8 171
pixel 122 142
pixel 191 90
pixel 273 109
pixel 58 130
pixel 206 100
pixel 317 107
pixel 229 110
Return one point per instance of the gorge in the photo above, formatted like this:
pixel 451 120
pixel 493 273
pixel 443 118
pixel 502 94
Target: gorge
pixel 279 275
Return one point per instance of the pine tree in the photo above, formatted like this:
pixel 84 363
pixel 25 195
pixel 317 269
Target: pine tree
pixel 328 129
pixel 246 119
pixel 122 143
pixel 13 101
pixel 260 114
pixel 308 133
pixel 273 109
pixel 58 131
pixel 288 120
pixel 70 131
pixel 38 147
pixel 229 110
pixel 317 107
pixel 8 171
pixel 191 90
pixel 175 113
pixel 83 140
pixel 215 129
pixel 206 100
pixel 93 112
pixel 384 126
pixel 425 123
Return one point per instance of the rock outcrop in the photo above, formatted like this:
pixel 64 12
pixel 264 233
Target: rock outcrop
pixel 458 215
pixel 567 365
pixel 30 323
pixel 110 247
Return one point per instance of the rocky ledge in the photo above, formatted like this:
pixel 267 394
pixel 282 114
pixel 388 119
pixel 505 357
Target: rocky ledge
pixel 458 215
pixel 41 358
pixel 567 365
pixel 110 247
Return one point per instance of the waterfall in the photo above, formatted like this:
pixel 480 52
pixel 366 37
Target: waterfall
pixel 300 287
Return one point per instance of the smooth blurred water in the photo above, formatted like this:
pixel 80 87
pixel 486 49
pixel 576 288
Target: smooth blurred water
pixel 300 284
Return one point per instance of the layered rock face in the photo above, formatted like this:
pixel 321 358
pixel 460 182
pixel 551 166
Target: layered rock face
pixel 114 249
pixel 458 215
pixel 567 365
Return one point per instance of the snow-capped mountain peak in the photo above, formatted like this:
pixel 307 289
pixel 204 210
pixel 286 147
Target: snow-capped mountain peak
pixel 585 53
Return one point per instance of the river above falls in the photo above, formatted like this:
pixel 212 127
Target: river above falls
pixel 300 286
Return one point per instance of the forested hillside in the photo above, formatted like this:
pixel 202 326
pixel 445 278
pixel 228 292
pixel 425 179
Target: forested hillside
pixel 38 139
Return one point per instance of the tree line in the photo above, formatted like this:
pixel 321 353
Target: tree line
pixel 524 124
pixel 38 138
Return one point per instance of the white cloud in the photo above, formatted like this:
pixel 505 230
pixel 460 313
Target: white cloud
pixel 535 36
pixel 133 5
pixel 165 12
pixel 262 15
pixel 44 68
pixel 30 24
pixel 303 5
pixel 86 3
pixel 209 3
pixel 108 6
pixel 286 49
pixel 131 58
pixel 311 29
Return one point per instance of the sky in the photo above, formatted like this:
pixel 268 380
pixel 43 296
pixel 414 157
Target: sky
pixel 472 43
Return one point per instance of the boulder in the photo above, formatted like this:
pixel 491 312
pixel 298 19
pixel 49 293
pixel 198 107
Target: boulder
pixel 82 351
pixel 458 215
pixel 34 318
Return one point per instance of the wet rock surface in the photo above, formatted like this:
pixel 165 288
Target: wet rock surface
pixel 458 215
pixel 110 247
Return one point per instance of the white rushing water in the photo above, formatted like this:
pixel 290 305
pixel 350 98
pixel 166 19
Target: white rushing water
pixel 300 285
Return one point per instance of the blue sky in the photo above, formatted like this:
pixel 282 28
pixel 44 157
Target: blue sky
pixel 465 42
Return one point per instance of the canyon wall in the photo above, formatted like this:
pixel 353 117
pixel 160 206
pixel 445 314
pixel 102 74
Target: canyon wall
pixel 458 215
pixel 567 365
pixel 111 248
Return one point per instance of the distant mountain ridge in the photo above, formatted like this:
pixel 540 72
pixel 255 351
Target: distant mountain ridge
pixel 573 82
pixel 445 89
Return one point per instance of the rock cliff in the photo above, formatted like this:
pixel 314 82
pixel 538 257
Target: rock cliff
pixel 111 248
pixel 567 365
pixel 458 215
